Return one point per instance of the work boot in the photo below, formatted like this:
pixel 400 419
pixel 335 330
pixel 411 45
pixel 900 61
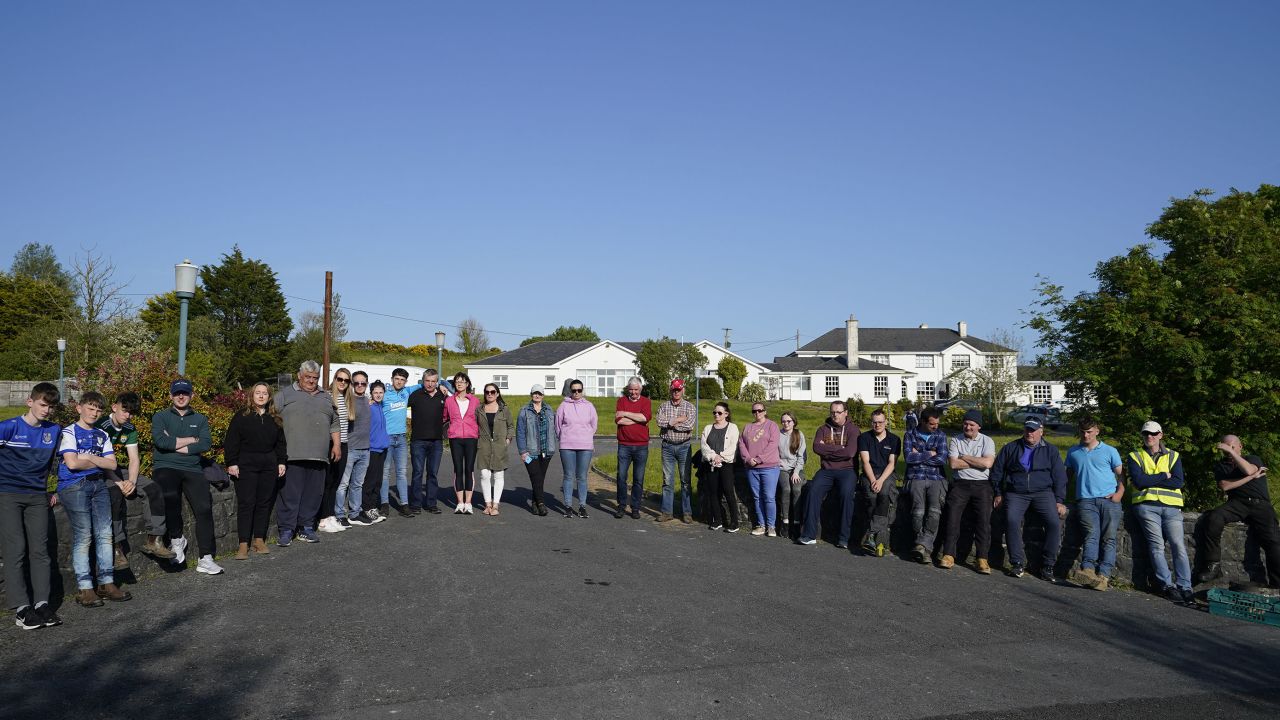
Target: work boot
pixel 155 548
pixel 120 562
pixel 242 553
pixel 947 562
pixel 664 517
pixel 1101 583
pixel 1209 574
pixel 984 567
pixel 88 598
pixel 1084 577
pixel 109 591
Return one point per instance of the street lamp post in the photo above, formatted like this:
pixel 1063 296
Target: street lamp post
pixel 698 374
pixel 440 353
pixel 185 289
pixel 62 352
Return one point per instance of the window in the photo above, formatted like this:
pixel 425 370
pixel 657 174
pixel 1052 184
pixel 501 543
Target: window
pixel 833 386
pixel 924 390
pixel 1041 393
pixel 882 386
pixel 549 384
pixel 960 361
pixel 882 359
pixel 500 381
pixel 804 382
pixel 904 388
pixel 997 363
pixel 924 361
pixel 601 383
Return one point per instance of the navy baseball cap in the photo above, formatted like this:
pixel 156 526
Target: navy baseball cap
pixel 180 387
pixel 1031 424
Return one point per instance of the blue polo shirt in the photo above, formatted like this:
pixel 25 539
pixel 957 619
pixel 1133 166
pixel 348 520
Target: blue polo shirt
pixel 1094 469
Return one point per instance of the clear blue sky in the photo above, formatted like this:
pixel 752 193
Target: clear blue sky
pixel 641 167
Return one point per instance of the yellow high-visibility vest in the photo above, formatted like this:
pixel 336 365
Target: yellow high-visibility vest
pixel 1151 466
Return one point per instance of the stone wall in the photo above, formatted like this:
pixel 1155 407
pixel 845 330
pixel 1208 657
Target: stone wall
pixel 64 580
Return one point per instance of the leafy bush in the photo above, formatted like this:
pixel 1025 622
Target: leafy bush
pixel 709 389
pixel 732 372
pixel 753 393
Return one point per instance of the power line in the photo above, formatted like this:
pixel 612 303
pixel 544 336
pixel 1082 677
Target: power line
pixel 344 308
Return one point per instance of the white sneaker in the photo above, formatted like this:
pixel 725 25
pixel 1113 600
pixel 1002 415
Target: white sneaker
pixel 207 566
pixel 329 525
pixel 459 509
pixel 377 517
pixel 179 547
pixel 468 510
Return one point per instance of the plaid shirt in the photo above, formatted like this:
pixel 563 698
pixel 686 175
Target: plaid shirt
pixel 915 450
pixel 670 431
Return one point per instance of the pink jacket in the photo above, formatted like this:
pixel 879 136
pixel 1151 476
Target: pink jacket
pixel 462 425
pixel 576 424
pixel 760 442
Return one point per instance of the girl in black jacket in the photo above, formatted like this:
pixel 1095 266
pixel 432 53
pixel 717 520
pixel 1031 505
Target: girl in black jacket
pixel 255 452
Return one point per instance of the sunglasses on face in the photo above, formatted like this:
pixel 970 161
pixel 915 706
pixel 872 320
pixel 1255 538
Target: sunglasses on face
pixel 757 410
pixel 1149 434
pixel 490 392
pixel 361 384
pixel 717 412
pixel 342 379
pixel 575 391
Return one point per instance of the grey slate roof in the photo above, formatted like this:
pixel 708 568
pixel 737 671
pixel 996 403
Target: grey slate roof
pixel 546 353
pixel 820 364
pixel 891 340
pixel 1029 373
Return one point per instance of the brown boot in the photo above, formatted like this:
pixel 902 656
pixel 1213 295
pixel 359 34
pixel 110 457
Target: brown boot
pixel 947 562
pixel 109 591
pixel 242 553
pixel 121 562
pixel 155 548
pixel 260 546
pixel 983 566
pixel 88 598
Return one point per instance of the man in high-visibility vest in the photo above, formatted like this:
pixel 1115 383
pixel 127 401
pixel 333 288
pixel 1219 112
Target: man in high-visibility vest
pixel 1244 479
pixel 1156 480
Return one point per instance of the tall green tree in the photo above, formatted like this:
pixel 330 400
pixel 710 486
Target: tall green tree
pixel 161 312
pixel 248 307
pixel 580 333
pixel 40 262
pixel 1190 338
pixel 659 361
pixel 33 315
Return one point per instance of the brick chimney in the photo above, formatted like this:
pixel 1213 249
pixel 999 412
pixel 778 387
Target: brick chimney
pixel 962 327
pixel 851 341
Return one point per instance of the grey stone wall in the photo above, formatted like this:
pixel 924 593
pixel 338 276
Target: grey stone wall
pixel 140 566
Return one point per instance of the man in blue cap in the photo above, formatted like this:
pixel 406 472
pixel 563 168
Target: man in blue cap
pixel 1029 472
pixel 179 435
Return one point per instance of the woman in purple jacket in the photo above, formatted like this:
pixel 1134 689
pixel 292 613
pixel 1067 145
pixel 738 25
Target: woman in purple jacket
pixel 576 423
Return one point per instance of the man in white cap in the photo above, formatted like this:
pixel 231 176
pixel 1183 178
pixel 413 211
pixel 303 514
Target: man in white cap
pixel 1155 474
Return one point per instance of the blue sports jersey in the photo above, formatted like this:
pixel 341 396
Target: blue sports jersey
pixel 26 454
pixel 76 439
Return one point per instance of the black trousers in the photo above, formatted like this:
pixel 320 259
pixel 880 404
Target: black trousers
pixel 331 481
pixel 1258 515
pixel 371 493
pixel 255 493
pixel 538 476
pixel 463 451
pixel 964 494
pixel 720 485
pixel 875 509
pixel 191 483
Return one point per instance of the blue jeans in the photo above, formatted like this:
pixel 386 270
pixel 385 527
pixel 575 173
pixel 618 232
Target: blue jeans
pixel 397 462
pixel 634 458
pixel 823 482
pixel 1099 519
pixel 1163 524
pixel 576 463
pixel 673 453
pixel 1046 506
pixel 353 477
pixel 426 465
pixel 764 490
pixel 88 506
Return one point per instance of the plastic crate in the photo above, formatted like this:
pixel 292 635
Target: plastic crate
pixel 1245 606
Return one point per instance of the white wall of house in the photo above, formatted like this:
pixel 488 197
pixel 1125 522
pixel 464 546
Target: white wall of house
pixel 603 369
pixel 824 387
pixel 1041 392
pixel 516 381
pixel 715 354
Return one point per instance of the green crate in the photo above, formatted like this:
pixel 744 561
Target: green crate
pixel 1245 606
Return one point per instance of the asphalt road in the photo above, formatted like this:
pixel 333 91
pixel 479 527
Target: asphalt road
pixel 520 616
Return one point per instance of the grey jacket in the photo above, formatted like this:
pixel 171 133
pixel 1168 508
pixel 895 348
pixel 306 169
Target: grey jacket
pixel 358 435
pixel 308 421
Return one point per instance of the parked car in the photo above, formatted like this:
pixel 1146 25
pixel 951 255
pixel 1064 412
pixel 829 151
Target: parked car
pixel 966 403
pixel 1048 416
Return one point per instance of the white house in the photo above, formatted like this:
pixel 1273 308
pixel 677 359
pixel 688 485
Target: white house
pixel 892 363
pixel 603 367
pixel 1040 386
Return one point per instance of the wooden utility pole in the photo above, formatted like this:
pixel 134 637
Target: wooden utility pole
pixel 328 317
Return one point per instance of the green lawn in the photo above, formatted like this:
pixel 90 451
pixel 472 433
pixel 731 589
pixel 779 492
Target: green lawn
pixel 7 412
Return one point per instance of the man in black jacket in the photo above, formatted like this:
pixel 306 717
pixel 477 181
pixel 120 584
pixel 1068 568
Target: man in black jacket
pixel 1028 472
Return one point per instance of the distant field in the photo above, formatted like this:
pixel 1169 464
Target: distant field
pixel 7 412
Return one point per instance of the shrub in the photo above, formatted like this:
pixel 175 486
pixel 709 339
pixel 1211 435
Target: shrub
pixel 753 393
pixel 709 389
pixel 732 372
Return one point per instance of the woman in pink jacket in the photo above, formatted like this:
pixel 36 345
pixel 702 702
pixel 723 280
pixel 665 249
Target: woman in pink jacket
pixel 464 433
pixel 576 428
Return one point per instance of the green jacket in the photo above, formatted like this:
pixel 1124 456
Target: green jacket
pixel 166 427
pixel 491 449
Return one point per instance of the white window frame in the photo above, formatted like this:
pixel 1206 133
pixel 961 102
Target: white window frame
pixel 961 361
pixel 926 390
pixel 880 384
pixel 805 383
pixel 904 388
pixel 828 382
pixel 500 381
pixel 882 359
pixel 924 361
pixel 1041 394
pixel 549 384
